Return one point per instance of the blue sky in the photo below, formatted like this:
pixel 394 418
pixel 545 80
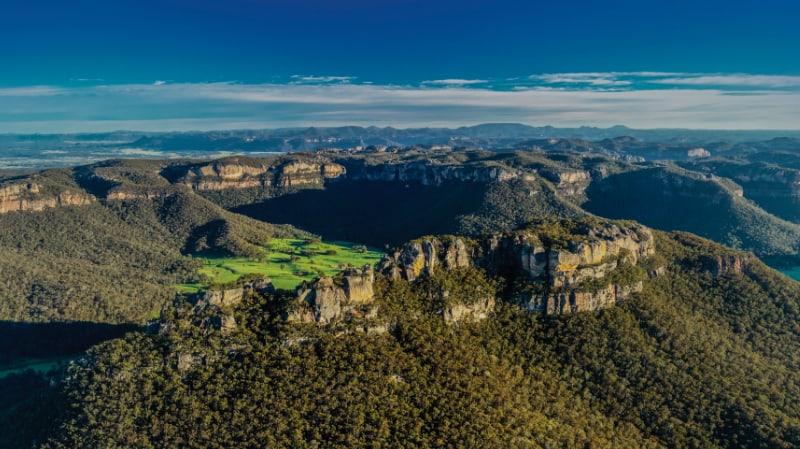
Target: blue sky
pixel 181 64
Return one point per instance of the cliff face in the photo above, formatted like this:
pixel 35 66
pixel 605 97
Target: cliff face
pixel 773 179
pixel 568 182
pixel 426 256
pixel 212 308
pixel 30 197
pixel 230 174
pixel 324 299
pixel 721 264
pixel 576 301
pixel 592 251
pixel 429 173
pixel 302 174
pixel 558 263
pixel 476 311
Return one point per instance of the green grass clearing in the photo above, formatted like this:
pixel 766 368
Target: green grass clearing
pixel 287 262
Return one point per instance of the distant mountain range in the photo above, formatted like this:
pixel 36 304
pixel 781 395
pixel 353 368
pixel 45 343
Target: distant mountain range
pixel 33 151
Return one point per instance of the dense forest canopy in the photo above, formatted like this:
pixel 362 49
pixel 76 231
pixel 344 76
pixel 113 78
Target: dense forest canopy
pixel 697 359
pixel 684 343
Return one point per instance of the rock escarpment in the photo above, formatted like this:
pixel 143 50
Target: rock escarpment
pixel 568 182
pixel 211 308
pixel 721 264
pixel 571 301
pixel 230 297
pixel 30 196
pixel 426 256
pixel 560 258
pixel 758 179
pixel 326 299
pixel 235 174
pixel 429 172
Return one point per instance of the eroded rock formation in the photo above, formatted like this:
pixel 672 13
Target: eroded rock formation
pixel 31 197
pixel 557 258
pixel 475 311
pixel 233 174
pixel 722 264
pixel 568 182
pixel 326 299
pixel 572 301
pixel 427 255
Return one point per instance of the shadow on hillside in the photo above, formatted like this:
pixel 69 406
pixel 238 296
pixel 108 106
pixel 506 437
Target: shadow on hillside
pixel 663 200
pixel 29 340
pixel 375 213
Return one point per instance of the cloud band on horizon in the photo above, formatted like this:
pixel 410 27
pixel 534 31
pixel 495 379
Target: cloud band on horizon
pixel 635 99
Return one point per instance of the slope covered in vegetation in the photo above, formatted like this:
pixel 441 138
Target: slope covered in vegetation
pixel 704 356
pixel 674 199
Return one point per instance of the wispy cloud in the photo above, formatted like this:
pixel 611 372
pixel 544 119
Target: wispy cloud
pixel 312 79
pixel 454 82
pixel 637 99
pixel 31 91
pixel 735 80
pixel 591 79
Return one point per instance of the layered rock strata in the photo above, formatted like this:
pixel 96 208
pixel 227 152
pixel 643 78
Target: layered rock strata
pixel 326 299
pixel 592 252
pixel 31 197
pixel 225 174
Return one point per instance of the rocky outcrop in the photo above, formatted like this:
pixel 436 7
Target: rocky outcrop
pixel 228 170
pixel 560 257
pixel 568 182
pixel 129 195
pixel 231 297
pixel 577 301
pixel 206 184
pixel 229 174
pixel 357 286
pixel 600 250
pixel 430 172
pixel 327 299
pixel 303 174
pixel 224 298
pixel 31 197
pixel 593 250
pixel 476 311
pixel 761 182
pixel 212 309
pixel 719 264
pixel 426 256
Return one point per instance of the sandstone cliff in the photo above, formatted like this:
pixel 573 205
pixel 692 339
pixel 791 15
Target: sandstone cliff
pixel 560 257
pixel 568 182
pixel 721 264
pixel 326 299
pixel 233 173
pixel 428 172
pixel 29 196
pixel 426 256
pixel 572 301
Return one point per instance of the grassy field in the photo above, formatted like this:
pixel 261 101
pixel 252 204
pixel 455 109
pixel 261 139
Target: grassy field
pixel 287 262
